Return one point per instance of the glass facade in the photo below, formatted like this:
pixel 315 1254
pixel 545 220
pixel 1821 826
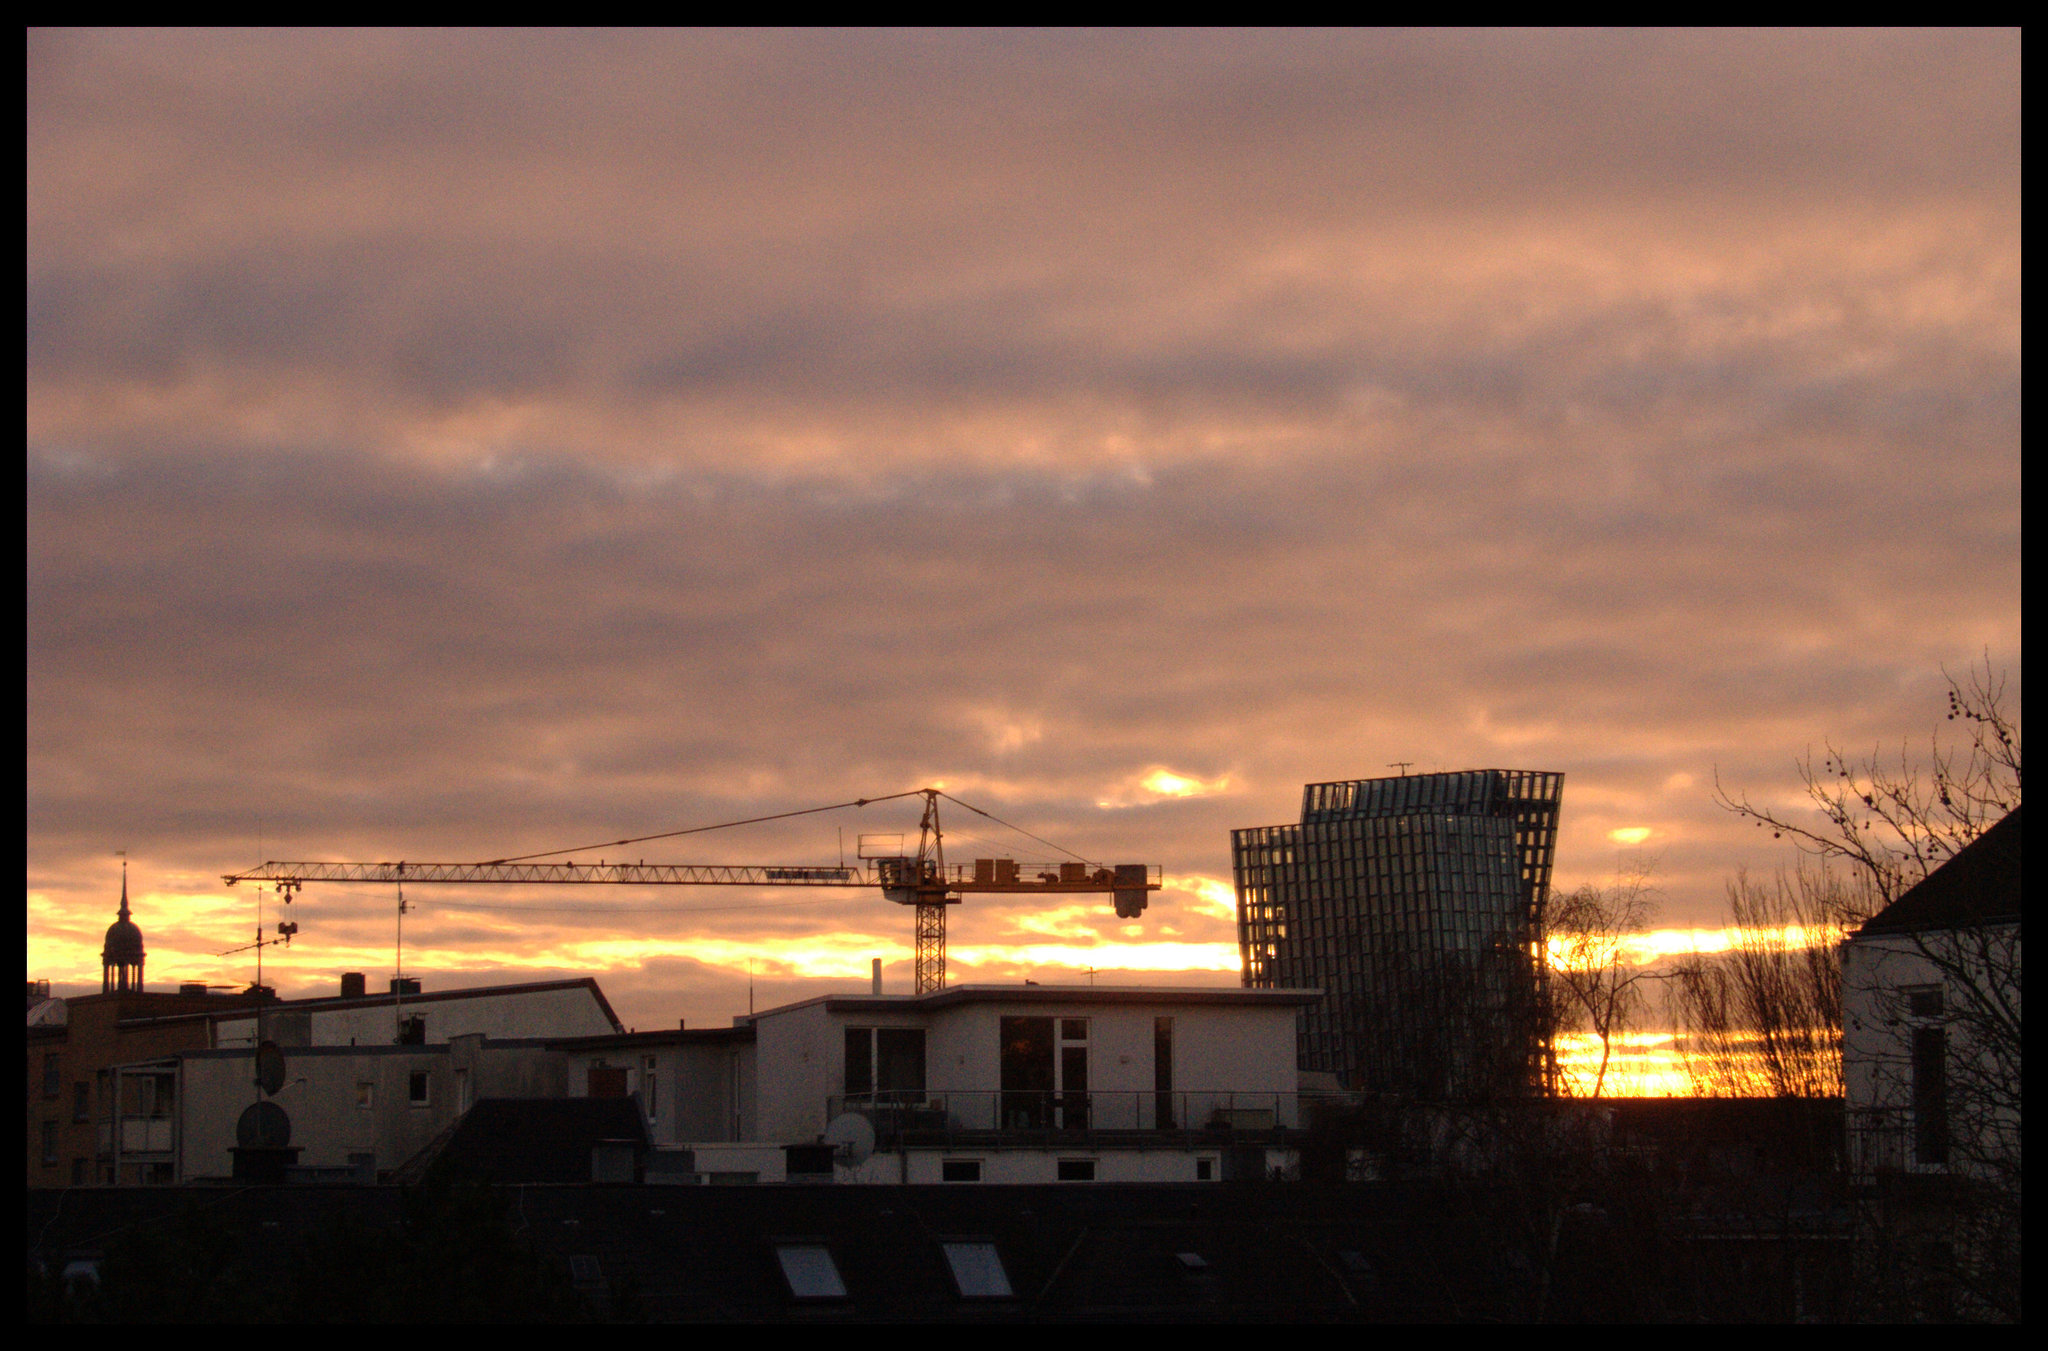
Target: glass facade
pixel 1416 905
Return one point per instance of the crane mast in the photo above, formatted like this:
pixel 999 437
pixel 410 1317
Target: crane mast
pixel 922 880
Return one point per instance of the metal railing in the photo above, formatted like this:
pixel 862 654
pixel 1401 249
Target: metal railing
pixel 918 1116
pixel 1882 1140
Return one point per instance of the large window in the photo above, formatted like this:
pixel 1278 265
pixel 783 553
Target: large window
pixel 1045 1073
pixel 1930 1095
pixel 885 1062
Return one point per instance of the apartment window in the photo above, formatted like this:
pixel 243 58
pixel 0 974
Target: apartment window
pixel 417 1089
pixel 650 1089
pixel 49 1144
pixel 1076 1170
pixel 1205 1170
pixel 1925 1002
pixel 81 1100
pixel 78 1173
pixel 1162 1073
pixel 366 1096
pixel 960 1170
pixel 1044 1073
pixel 53 1075
pixel 886 1061
pixel 1930 1095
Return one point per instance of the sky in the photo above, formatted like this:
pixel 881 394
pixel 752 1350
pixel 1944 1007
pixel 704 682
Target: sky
pixel 455 445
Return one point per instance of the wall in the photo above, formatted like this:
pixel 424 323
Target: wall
pixel 321 1097
pixel 571 1010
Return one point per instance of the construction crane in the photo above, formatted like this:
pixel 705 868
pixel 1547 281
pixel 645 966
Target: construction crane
pixel 924 880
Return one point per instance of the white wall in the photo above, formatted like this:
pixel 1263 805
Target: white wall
pixel 569 1011
pixel 1225 1055
pixel 1877 1039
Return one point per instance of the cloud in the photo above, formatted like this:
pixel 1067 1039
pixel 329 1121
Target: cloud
pixel 460 445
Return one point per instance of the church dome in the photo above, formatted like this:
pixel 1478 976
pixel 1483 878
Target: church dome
pixel 124 943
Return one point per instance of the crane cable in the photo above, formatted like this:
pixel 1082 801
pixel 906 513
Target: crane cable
pixel 1007 826
pixel 723 825
pixel 783 816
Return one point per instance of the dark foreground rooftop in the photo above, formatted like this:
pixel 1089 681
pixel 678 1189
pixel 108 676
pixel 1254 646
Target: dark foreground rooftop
pixel 1218 1252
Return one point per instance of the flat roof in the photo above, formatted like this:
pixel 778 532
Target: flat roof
pixel 954 995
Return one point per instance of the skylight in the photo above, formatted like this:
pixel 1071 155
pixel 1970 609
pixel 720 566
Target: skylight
pixel 978 1270
pixel 810 1271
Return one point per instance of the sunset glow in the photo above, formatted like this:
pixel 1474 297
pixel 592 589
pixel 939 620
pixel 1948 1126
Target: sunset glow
pixel 466 446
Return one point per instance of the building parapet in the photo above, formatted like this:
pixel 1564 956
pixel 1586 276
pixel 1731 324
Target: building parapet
pixel 1152 1119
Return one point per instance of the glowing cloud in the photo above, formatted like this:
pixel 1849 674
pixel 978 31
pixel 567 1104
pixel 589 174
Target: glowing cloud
pixel 1160 782
pixel 1629 834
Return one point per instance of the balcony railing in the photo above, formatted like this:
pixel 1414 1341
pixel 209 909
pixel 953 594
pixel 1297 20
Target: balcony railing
pixel 139 1135
pixel 932 1117
pixel 1882 1140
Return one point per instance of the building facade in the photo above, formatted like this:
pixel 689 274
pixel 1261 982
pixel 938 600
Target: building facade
pixel 141 1088
pixel 1931 1019
pixel 1416 905
pixel 1028 1084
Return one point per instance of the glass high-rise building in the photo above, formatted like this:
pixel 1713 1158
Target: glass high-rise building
pixel 1416 904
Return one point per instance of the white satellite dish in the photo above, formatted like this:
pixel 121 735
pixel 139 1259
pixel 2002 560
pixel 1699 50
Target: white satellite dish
pixel 852 1137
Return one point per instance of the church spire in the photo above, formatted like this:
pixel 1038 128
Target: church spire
pixel 121 958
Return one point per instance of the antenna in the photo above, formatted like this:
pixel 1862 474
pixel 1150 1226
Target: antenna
pixel 1401 765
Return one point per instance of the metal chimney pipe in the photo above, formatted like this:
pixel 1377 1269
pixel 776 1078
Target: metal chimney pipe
pixel 878 975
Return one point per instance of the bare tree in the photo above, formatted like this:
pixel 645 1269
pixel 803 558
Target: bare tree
pixel 1898 819
pixel 1595 983
pixel 1764 1019
pixel 1935 994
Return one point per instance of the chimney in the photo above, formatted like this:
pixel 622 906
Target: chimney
pixel 192 987
pixel 354 985
pixel 682 1024
pixel 878 975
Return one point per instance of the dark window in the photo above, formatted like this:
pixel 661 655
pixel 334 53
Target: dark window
pixel 1205 1170
pixel 608 1081
pixel 860 1060
pixel 1930 1095
pixel 1162 1073
pixel 49 1144
pixel 960 1170
pixel 78 1172
pixel 81 1101
pixel 416 1088
pixel 413 1031
pixel 1925 1003
pixel 1027 1072
pixel 885 1060
pixel 899 1059
pixel 53 1076
pixel 1077 1170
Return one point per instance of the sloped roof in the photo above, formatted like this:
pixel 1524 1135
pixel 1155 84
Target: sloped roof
pixel 539 1139
pixel 1980 885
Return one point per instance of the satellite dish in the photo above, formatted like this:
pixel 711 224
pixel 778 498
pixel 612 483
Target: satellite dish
pixel 269 1068
pixel 852 1137
pixel 263 1125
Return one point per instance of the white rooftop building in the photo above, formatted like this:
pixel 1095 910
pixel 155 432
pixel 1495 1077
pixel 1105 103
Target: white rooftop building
pixel 986 1083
